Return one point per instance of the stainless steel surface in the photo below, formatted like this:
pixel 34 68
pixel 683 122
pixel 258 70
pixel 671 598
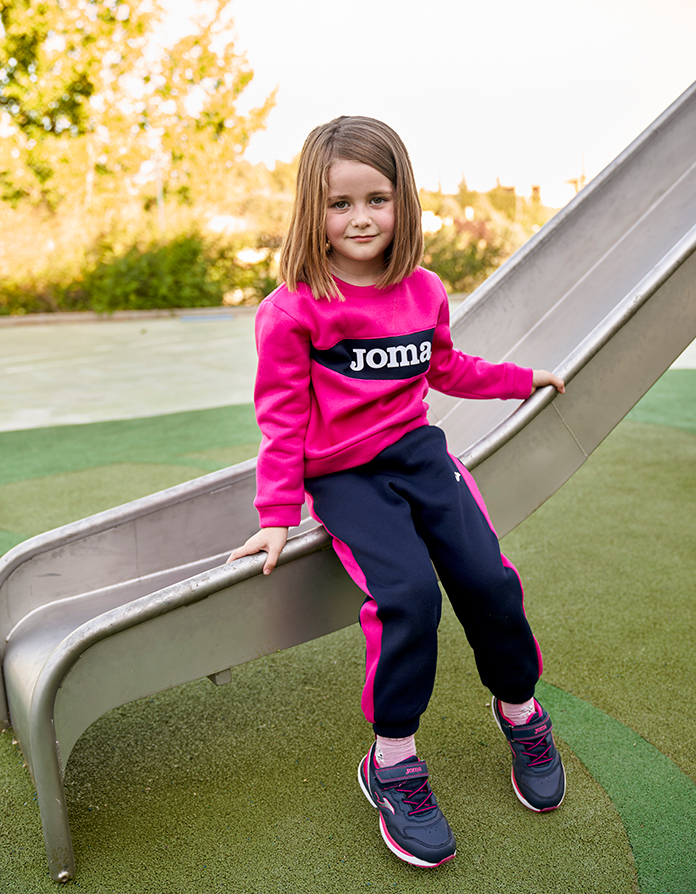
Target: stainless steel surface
pixel 135 600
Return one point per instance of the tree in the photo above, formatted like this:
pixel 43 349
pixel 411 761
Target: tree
pixel 93 102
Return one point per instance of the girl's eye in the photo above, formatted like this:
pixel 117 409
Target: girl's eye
pixel 378 200
pixel 339 206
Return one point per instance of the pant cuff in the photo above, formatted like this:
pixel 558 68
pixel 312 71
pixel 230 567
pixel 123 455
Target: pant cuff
pixel 396 730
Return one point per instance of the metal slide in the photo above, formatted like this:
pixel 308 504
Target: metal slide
pixel 135 600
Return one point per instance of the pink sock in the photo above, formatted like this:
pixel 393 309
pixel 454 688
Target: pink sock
pixel 390 752
pixel 519 715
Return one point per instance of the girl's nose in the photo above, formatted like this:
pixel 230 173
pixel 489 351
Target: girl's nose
pixel 361 218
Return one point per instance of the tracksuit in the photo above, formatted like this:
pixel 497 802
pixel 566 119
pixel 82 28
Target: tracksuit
pixel 340 401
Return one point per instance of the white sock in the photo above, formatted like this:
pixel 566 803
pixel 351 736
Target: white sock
pixel 390 752
pixel 519 715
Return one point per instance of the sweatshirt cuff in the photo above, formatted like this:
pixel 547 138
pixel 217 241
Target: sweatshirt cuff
pixel 523 383
pixel 283 516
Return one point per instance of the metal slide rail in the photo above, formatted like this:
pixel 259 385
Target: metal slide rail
pixel 162 610
pixel 599 338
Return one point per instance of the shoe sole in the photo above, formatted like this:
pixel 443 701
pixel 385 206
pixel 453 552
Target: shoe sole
pixel 388 840
pixel 518 793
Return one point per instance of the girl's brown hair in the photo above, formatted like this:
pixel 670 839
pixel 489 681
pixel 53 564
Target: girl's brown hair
pixel 304 256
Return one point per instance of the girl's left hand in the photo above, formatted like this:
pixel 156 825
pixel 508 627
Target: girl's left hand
pixel 543 377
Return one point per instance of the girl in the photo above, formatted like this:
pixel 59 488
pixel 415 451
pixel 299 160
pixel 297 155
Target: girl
pixel 348 347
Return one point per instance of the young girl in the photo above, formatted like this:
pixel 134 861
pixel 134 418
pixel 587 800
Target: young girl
pixel 348 347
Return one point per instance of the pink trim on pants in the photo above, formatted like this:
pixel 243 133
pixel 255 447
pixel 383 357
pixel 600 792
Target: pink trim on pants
pixel 476 494
pixel 369 622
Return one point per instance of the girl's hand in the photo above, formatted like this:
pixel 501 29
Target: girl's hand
pixel 270 540
pixel 544 377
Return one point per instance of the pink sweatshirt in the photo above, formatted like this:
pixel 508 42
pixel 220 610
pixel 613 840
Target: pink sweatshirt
pixel 339 381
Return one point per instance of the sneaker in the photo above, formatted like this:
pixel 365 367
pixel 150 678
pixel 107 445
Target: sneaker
pixel 538 777
pixel 411 823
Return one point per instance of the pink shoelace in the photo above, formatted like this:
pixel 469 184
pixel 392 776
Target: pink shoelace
pixel 422 790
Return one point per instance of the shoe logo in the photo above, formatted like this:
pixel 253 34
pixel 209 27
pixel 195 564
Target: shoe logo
pixel 457 475
pixel 413 770
pixel 382 802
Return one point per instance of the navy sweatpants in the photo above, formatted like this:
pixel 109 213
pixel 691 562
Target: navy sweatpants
pixel 411 508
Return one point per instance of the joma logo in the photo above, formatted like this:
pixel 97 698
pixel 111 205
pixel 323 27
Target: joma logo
pixel 402 356
pixel 392 357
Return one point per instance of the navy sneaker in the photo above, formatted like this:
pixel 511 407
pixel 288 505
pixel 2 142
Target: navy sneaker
pixel 411 823
pixel 538 777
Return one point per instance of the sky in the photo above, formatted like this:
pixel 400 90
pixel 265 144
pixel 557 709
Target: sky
pixel 531 93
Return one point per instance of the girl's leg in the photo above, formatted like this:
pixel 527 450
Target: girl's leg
pixel 486 593
pixel 375 538
pixel 389 518
pixel 483 586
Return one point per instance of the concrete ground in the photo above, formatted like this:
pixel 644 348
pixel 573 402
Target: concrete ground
pixel 60 373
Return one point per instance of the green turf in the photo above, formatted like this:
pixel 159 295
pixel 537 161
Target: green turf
pixel 241 789
pixel 615 575
pixel 656 801
pixel 52 476
pixel 33 506
pixel 671 401
pixel 34 453
pixel 8 539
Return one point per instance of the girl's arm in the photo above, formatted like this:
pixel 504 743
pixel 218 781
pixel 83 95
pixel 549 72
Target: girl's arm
pixel 282 403
pixel 461 375
pixel 269 540
pixel 281 399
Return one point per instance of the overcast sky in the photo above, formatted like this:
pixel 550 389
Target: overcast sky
pixel 509 90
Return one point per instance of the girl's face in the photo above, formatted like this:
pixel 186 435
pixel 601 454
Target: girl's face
pixel 359 221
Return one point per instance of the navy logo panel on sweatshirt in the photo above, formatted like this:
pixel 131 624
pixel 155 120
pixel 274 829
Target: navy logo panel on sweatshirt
pixel 395 357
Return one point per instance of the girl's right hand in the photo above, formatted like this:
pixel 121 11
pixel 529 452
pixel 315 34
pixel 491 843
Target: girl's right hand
pixel 270 540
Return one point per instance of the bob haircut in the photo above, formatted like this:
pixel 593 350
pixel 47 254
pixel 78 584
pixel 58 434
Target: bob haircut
pixel 305 256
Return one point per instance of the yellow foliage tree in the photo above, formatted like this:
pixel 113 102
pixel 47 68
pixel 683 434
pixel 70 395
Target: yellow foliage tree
pixel 96 105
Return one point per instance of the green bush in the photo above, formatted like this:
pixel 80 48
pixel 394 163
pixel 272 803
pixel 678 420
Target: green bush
pixel 254 280
pixel 185 271
pixel 170 274
pixel 22 298
pixel 462 255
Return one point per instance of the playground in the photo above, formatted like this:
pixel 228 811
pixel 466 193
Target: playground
pixel 148 778
pixel 232 788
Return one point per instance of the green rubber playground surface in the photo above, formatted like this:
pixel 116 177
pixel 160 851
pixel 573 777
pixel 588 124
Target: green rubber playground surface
pixel 250 788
